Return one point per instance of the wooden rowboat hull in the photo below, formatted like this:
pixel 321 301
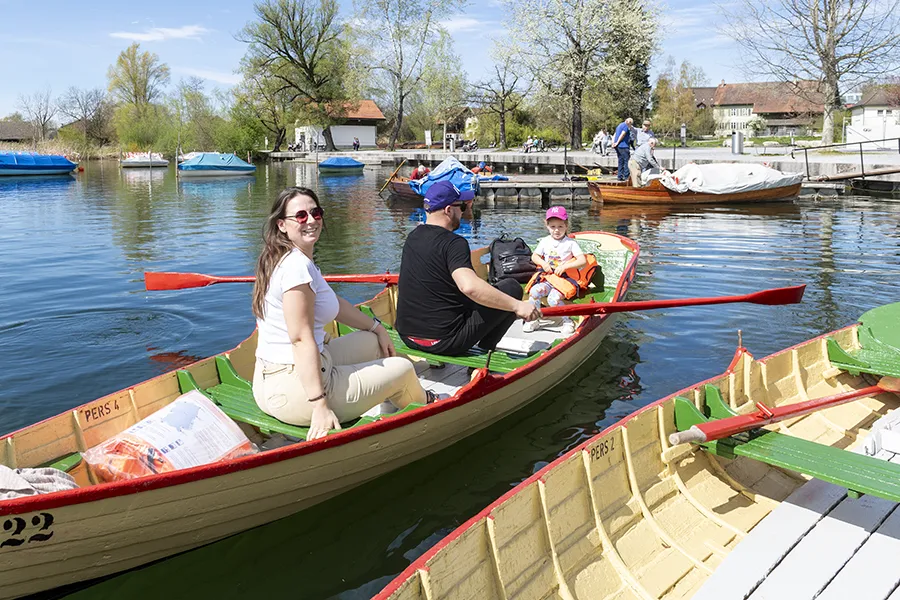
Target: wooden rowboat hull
pixel 103 529
pixel 656 193
pixel 399 187
pixel 626 515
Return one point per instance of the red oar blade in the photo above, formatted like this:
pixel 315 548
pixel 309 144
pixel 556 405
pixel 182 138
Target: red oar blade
pixel 182 281
pixel 787 295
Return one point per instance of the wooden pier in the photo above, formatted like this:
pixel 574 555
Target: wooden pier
pixel 547 185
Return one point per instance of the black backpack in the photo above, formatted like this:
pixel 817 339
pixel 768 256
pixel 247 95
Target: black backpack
pixel 510 258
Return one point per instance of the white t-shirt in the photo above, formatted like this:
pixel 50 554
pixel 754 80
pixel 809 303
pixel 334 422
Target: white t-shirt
pixel 295 269
pixel 557 252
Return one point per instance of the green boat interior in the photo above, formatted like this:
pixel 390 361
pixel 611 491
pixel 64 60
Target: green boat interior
pixel 878 354
pixel 59 441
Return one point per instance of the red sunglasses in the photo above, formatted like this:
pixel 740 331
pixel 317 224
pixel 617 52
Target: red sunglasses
pixel 302 215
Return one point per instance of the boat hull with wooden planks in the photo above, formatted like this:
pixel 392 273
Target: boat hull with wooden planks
pixel 399 187
pixel 626 514
pixel 104 528
pixel 656 193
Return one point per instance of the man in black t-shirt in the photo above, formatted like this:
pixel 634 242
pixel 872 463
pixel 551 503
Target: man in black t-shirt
pixel 443 306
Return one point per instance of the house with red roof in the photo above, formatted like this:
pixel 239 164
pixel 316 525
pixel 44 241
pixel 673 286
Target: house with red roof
pixel 777 108
pixel 360 120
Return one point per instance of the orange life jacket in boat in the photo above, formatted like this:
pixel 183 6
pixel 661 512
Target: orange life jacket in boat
pixel 574 283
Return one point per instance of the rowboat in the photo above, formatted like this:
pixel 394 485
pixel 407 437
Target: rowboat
pixel 143 160
pixel 399 187
pixel 341 165
pixel 214 164
pixel 776 512
pixel 101 528
pixel 32 163
pixel 718 183
pixel 656 193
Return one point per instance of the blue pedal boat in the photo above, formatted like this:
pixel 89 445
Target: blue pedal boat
pixel 214 164
pixel 32 163
pixel 337 165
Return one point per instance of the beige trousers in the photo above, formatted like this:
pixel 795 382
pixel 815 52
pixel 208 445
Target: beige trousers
pixel 635 170
pixel 355 377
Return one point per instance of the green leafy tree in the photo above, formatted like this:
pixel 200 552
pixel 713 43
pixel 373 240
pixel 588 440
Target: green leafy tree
pixel 137 78
pixel 396 37
pixel 299 44
pixel 567 44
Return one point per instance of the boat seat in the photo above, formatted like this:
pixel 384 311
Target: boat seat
pixel 234 395
pixel 64 463
pixel 879 340
pixel 858 473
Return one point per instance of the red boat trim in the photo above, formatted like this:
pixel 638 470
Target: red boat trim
pixel 481 385
pixel 486 513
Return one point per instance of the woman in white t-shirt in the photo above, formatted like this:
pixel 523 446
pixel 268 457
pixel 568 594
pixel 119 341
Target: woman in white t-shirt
pixel 300 377
pixel 556 254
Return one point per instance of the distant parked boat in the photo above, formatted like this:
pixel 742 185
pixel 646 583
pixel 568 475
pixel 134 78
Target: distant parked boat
pixel 136 160
pixel 340 164
pixel 32 163
pixel 214 164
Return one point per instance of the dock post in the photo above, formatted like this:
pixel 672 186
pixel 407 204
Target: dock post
pixel 545 196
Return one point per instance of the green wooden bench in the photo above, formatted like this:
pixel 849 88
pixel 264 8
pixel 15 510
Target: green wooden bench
pixel 858 473
pixel 879 340
pixel 234 395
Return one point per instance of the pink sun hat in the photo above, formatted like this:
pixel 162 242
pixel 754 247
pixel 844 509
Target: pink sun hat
pixel 557 212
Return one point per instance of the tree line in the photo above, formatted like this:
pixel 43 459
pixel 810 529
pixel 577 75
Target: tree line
pixel 566 69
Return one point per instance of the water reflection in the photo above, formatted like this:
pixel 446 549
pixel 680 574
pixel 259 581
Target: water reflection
pixel 72 252
pixel 34 184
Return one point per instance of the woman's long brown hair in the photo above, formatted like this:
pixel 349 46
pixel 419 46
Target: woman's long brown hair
pixel 275 245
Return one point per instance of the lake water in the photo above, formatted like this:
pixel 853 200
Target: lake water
pixel 76 323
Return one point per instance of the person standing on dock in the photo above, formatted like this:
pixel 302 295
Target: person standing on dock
pixel 443 306
pixel 642 160
pixel 644 134
pixel 622 142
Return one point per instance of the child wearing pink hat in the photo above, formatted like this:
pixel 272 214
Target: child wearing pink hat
pixel 555 254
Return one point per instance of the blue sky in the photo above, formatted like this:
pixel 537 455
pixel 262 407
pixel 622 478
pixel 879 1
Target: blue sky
pixel 58 44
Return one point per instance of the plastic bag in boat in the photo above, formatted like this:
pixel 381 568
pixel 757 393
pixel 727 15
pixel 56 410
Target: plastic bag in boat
pixel 189 432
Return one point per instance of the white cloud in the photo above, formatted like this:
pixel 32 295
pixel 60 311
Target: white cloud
pixel 217 76
pixel 158 34
pixel 461 23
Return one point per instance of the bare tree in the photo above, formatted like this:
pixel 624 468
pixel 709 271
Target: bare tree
pixel 398 34
pixel 137 78
pixel 501 94
pixel 831 42
pixel 86 108
pixel 39 110
pixel 566 44
pixel 299 44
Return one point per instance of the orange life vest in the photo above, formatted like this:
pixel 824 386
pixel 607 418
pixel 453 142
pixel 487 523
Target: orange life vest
pixel 575 281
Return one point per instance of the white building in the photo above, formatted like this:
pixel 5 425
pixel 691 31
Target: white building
pixel 876 117
pixel 359 122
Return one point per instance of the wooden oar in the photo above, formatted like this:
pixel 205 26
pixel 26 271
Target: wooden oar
pixel 722 428
pixel 392 176
pixel 181 281
pixel 786 295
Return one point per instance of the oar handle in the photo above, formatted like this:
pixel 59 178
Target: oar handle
pixel 693 435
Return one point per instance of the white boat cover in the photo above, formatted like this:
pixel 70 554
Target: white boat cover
pixel 725 178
